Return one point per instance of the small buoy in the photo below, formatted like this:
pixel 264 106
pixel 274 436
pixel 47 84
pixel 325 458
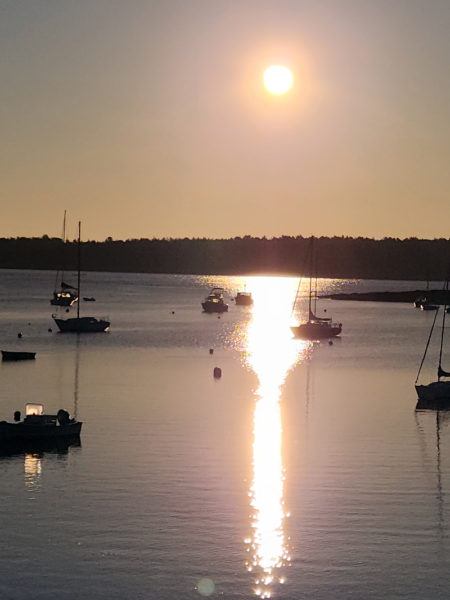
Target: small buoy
pixel 173 312
pixel 211 350
pixel 67 310
pixel 29 323
pixel 218 316
pixel 217 372
pixel 330 342
pixel 19 335
pixel 49 329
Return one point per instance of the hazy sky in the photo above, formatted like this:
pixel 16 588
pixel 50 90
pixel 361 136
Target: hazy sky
pixel 149 118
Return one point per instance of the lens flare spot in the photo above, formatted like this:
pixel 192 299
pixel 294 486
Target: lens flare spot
pixel 205 587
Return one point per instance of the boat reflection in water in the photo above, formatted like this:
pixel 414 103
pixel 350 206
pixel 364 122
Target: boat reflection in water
pixel 270 352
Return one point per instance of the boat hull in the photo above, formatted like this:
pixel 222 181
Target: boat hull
pixel 82 325
pixel 316 331
pixel 243 300
pixel 14 356
pixel 24 432
pixel 214 307
pixel 434 396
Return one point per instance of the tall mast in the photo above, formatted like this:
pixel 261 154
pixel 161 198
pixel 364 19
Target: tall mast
pixel 310 275
pixel 79 267
pixel 442 330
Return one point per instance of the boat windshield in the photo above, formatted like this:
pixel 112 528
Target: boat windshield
pixel 34 409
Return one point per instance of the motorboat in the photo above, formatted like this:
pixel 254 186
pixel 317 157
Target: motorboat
pixel 214 302
pixel 12 355
pixel 37 425
pixel 243 299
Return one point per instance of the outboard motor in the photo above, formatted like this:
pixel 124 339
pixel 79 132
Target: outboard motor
pixel 63 416
pixel 17 416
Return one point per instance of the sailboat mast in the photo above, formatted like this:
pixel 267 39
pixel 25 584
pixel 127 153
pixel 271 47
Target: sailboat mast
pixel 442 330
pixel 79 267
pixel 310 275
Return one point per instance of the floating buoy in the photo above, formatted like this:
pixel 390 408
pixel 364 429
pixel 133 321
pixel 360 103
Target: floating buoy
pixel 211 350
pixel 19 335
pixel 29 323
pixel 217 372
pixel 49 330
pixel 173 312
pixel 330 342
pixel 67 310
pixel 218 317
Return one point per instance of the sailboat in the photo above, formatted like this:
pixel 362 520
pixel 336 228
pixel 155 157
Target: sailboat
pixel 435 395
pixel 66 295
pixel 81 324
pixel 315 328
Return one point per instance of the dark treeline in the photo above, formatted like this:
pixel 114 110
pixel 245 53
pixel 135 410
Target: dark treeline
pixel 388 258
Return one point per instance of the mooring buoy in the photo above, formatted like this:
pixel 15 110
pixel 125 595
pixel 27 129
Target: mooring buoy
pixel 217 372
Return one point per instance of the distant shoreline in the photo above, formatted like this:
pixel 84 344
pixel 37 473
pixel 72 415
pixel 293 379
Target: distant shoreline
pixel 433 296
pixel 334 257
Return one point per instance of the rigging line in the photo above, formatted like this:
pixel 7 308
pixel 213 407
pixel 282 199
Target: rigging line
pixel 296 296
pixel 428 343
pixel 299 285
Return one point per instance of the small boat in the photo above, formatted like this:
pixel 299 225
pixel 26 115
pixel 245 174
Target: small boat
pixel 315 328
pixel 435 395
pixel 429 307
pixel 214 303
pixel 243 299
pixel 66 295
pixel 81 324
pixel 39 426
pixel 10 355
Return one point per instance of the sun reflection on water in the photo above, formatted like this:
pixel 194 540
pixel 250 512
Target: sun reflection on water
pixel 270 352
pixel 32 470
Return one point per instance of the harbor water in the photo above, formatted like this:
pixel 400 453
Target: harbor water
pixel 302 472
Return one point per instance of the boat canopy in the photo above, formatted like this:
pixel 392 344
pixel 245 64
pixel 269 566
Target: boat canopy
pixel 34 409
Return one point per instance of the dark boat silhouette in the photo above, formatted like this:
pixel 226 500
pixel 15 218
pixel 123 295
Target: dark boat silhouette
pixel 11 355
pixel 81 324
pixel 39 426
pixel 435 395
pixel 66 295
pixel 315 328
pixel 243 299
pixel 214 303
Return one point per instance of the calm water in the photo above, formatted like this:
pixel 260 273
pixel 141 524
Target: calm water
pixel 303 473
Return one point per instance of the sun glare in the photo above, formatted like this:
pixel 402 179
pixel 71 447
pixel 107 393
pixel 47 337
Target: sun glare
pixel 278 79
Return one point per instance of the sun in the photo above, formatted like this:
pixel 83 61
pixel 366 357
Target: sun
pixel 278 79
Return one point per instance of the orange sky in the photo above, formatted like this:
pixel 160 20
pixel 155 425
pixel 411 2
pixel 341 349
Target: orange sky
pixel 150 119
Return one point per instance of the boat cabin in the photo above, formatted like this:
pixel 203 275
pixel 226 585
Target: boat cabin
pixel 34 415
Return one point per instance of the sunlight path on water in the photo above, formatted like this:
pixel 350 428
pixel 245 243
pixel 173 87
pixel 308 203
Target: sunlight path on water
pixel 270 352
